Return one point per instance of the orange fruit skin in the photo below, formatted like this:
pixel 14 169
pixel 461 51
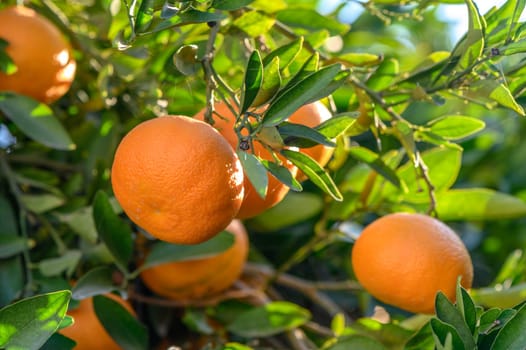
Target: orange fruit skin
pixel 253 204
pixel 194 279
pixel 312 115
pixel 87 330
pixel 404 259
pixel 42 55
pixel 178 179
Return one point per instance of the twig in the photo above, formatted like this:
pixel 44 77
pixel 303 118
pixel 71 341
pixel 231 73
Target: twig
pixel 424 174
pixel 211 84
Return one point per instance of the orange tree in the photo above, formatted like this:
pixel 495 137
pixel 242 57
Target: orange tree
pixel 419 125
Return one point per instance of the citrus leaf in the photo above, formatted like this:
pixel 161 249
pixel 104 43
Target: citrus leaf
pixel 467 308
pixel 254 23
pixel 129 333
pixel 55 266
pixel 505 297
pixel 28 323
pixel 357 341
pixel 288 102
pixel 230 5
pixel 270 84
pixel 446 336
pixel 7 65
pixel 97 281
pixel 36 120
pixel 455 127
pixel 286 53
pixel 162 252
pixel 315 172
pixel 310 66
pixel 255 171
pixel 512 335
pixel 384 75
pixel 376 163
pixel 253 79
pixel 310 20
pixel 282 174
pixel 478 204
pixel 359 59
pixel 335 84
pixel 59 342
pixel 188 17
pixel 448 313
pixel 300 135
pixel 473 46
pixel 270 319
pixel 112 230
pixel 11 245
pixel 40 203
pixel 144 17
pixel 335 126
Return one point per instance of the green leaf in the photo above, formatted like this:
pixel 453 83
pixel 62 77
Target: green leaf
pixel 129 333
pixel 502 297
pixel 384 75
pixel 96 281
pixel 286 53
pixel 310 66
pixel 443 166
pixel 144 16
pixel 512 335
pixel 230 5
pixel 236 346
pixel 270 84
pixel 253 79
pixel 359 59
pixel 357 341
pixel 270 319
pixel 335 126
pixel 293 209
pixel 474 44
pixel 478 204
pixel 300 135
pixel 188 17
pixel 315 172
pixel 447 313
pixel 501 22
pixel 36 120
pixel 28 323
pixel 374 161
pixel 162 252
pixel 455 127
pixel 113 231
pixel 421 340
pixel 310 20
pixel 11 245
pixel 514 48
pixel 288 102
pixel 55 266
pixel 255 171
pixel 282 174
pixel 335 84
pixel 467 308
pixel 446 336
pixel 41 203
pixel 254 23
pixel 59 342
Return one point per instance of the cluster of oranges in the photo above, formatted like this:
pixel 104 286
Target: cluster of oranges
pixel 180 179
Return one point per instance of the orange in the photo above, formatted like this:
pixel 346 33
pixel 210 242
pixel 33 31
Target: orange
pixel 253 204
pixel 87 330
pixel 312 115
pixel 42 55
pixel 192 279
pixel 404 259
pixel 177 178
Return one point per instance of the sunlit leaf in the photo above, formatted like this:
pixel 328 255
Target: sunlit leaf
pixel 302 136
pixel 456 127
pixel 36 120
pixel 449 314
pixel 230 5
pixel 314 172
pixel 311 20
pixel 282 174
pixel 252 81
pixel 270 84
pixel 254 23
pixel 376 163
pixel 286 53
pixel 28 323
pixel 255 171
pixel 270 319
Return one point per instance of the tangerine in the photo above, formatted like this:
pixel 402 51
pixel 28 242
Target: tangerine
pixel 45 65
pixel 404 259
pixel 193 279
pixel 178 179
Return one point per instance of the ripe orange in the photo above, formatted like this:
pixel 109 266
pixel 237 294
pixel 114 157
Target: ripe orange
pixel 312 115
pixel 192 279
pixel 178 179
pixel 87 330
pixel 405 259
pixel 253 204
pixel 42 55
